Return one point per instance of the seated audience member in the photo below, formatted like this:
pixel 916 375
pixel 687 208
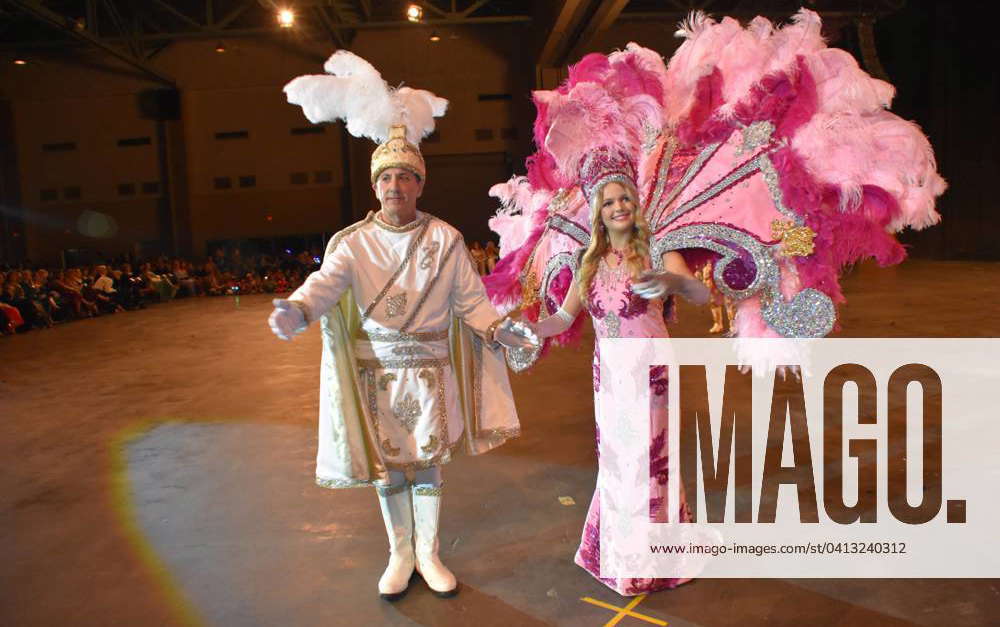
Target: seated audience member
pixel 107 297
pixel 10 315
pixel 478 257
pixel 185 282
pixel 37 295
pixel 13 293
pixel 62 281
pixel 10 318
pixel 159 283
pixel 492 256
pixel 250 284
pixel 212 283
pixel 76 278
pixel 131 287
pixel 51 298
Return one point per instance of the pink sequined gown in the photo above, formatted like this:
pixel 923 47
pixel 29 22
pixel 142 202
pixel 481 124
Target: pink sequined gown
pixel 617 312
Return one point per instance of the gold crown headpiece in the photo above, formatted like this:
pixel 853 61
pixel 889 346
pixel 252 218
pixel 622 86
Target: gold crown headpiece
pixel 396 152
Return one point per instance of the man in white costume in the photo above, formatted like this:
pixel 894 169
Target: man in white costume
pixel 412 369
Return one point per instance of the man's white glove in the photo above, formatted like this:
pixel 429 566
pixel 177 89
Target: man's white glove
pixel 663 283
pixel 515 335
pixel 286 320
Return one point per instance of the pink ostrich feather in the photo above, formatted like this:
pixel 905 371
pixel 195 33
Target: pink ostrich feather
pixel 843 86
pixel 854 171
pixel 695 59
pixel 708 99
pixel 638 70
pixel 841 237
pixel 743 57
pixel 587 117
pixel 593 68
pixel 503 285
pixel 522 210
pixel 742 62
pixel 803 37
pixel 605 101
pixel 520 224
pixel 851 151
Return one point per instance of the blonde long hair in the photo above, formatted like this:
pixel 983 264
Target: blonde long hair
pixel 637 251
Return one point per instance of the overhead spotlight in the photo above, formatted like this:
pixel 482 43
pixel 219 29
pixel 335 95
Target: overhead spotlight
pixel 219 47
pixel 286 18
pixel 435 37
pixel 20 62
pixel 414 13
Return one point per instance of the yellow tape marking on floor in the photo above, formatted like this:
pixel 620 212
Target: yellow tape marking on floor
pixel 624 611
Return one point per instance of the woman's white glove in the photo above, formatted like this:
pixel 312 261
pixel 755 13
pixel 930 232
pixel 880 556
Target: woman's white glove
pixel 660 284
pixel 515 334
pixel 554 324
pixel 286 320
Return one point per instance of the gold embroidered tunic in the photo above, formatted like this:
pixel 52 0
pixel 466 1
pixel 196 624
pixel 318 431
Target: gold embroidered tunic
pixel 409 375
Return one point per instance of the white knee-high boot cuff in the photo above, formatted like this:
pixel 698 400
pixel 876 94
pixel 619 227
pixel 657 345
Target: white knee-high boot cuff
pixel 426 514
pixel 397 512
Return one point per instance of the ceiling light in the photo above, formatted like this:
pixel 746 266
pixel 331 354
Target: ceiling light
pixel 286 18
pixel 435 37
pixel 414 13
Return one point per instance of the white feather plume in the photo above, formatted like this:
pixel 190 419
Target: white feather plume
pixel 695 22
pixel 354 91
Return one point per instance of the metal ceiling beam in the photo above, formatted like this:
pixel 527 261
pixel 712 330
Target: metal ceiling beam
pixel 604 16
pixel 451 21
pixel 427 4
pixel 565 21
pixel 182 17
pixel 475 7
pixel 366 8
pixel 252 32
pixel 235 13
pixel 123 30
pixel 347 16
pixel 92 16
pixel 67 25
pixel 328 25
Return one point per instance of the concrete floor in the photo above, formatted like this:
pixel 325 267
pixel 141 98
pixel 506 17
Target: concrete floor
pixel 158 471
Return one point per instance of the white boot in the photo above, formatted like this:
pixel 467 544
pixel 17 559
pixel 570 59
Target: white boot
pixel 426 509
pixel 397 513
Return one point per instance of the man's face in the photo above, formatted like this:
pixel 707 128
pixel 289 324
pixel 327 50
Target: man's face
pixel 398 190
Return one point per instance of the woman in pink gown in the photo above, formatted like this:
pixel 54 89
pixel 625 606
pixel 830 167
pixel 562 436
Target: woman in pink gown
pixel 615 283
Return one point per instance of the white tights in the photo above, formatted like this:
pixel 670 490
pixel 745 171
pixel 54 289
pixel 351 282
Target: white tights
pixel 428 476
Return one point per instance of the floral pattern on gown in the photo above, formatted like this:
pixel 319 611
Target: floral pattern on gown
pixel 617 312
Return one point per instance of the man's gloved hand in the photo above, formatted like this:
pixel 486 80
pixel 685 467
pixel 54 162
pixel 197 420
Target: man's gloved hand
pixel 286 320
pixel 515 335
